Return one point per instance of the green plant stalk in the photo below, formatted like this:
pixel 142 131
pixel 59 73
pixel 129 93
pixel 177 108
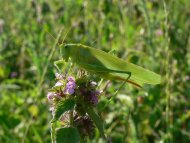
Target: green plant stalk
pixel 48 61
pixel 167 77
pixel 53 132
pixel 127 124
pixel 39 86
pixel 71 118
pixel 149 25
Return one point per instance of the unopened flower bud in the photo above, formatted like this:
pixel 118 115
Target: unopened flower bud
pixel 59 83
pixel 59 76
pixel 93 84
pixel 98 92
pixel 52 109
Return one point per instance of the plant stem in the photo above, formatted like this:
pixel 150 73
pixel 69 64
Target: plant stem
pixel 53 132
pixel 71 118
pixel 148 21
pixel 168 109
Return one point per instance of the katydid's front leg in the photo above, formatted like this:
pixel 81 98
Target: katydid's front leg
pixel 62 62
pixel 58 62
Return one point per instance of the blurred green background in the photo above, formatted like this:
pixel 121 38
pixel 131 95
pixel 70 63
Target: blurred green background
pixel 150 33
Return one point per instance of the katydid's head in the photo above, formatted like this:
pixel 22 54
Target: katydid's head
pixel 65 52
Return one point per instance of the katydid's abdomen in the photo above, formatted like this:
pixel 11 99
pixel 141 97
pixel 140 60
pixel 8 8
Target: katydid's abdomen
pixel 100 62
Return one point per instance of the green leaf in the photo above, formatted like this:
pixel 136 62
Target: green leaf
pixel 62 107
pixel 67 135
pixel 97 120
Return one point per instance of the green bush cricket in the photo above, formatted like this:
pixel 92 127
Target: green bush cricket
pixel 106 65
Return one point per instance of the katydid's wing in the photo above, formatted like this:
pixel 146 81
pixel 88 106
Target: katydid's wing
pixel 102 59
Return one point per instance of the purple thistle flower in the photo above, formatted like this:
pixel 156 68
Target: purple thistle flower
pixel 50 95
pixel 69 90
pixel 70 86
pixel 70 78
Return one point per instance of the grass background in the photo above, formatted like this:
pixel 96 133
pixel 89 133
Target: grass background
pixel 150 33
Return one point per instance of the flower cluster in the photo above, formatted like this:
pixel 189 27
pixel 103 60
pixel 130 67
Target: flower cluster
pixel 84 92
pixel 62 88
pixel 83 88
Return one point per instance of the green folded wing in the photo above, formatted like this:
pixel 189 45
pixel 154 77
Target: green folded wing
pixel 102 63
pixel 100 59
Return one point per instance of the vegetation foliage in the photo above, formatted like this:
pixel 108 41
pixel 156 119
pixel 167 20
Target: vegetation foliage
pixel 153 34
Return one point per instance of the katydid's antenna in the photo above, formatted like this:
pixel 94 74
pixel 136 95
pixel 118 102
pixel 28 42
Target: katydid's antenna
pixel 62 41
pixel 67 32
pixel 50 34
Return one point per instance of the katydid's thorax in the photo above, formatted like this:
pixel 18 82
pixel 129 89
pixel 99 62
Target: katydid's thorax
pixel 82 56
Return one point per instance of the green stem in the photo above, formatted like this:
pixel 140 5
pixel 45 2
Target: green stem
pixel 167 77
pixel 53 132
pixel 71 118
pixel 148 21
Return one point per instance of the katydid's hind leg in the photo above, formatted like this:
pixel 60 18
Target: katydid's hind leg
pixel 56 64
pixel 129 73
pixel 115 94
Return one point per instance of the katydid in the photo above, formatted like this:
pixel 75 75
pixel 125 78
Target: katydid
pixel 108 66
